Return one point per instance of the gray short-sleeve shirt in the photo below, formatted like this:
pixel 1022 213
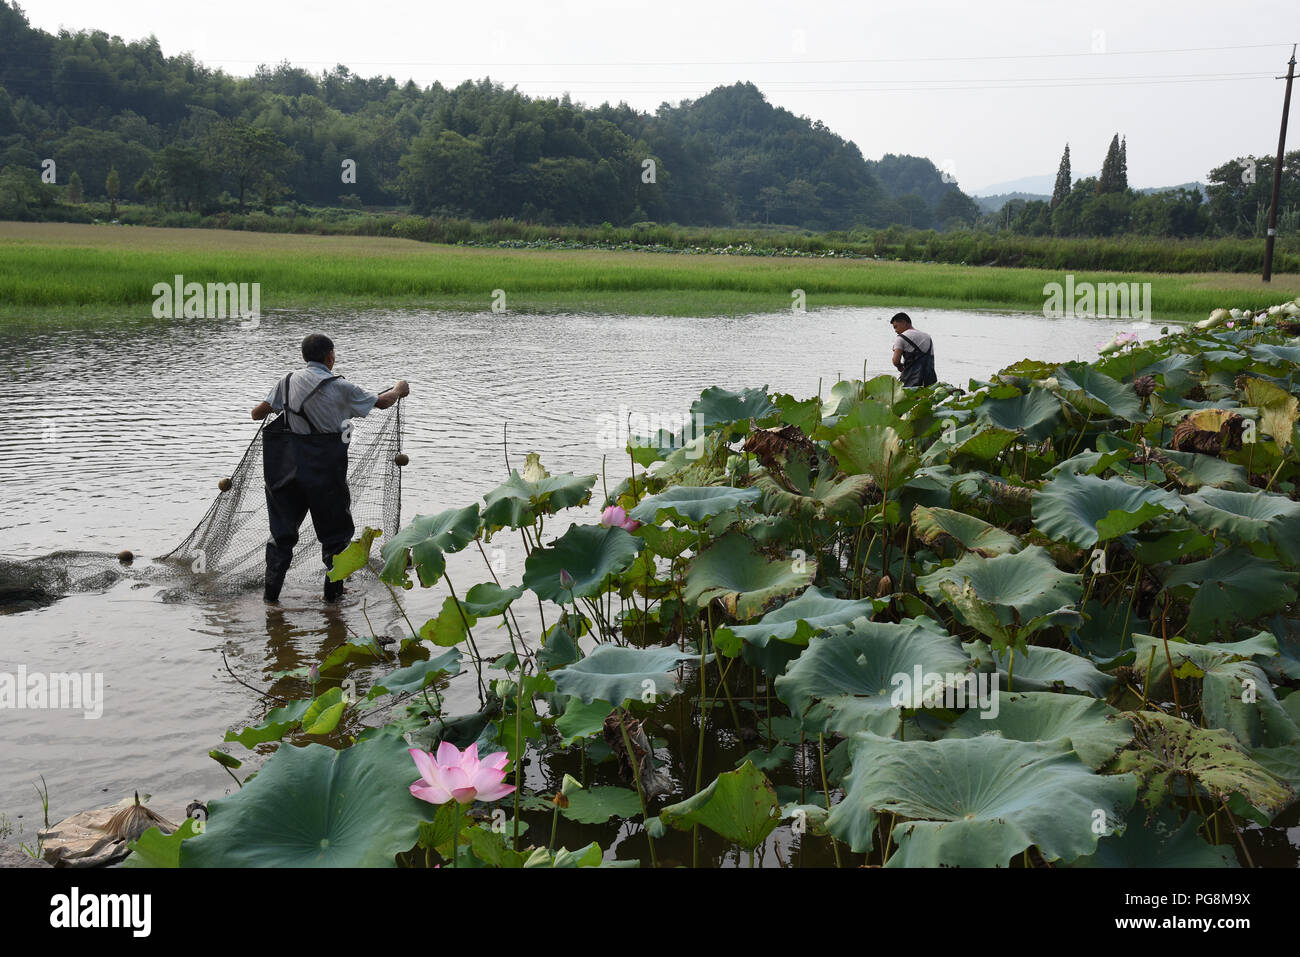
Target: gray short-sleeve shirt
pixel 330 408
pixel 920 342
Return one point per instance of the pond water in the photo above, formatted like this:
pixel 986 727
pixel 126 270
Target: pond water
pixel 115 436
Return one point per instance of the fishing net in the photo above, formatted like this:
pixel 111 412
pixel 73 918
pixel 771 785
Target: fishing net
pixel 226 552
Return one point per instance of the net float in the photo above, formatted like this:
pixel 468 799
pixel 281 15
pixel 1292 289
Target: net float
pixel 224 484
pixel 125 556
pixel 401 459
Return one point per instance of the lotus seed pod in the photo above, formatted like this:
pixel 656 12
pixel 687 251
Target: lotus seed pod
pixel 1144 385
pixel 224 484
pixel 401 459
pixel 125 556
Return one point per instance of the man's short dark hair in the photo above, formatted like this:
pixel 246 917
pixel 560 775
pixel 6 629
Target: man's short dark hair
pixel 317 347
pixel 898 317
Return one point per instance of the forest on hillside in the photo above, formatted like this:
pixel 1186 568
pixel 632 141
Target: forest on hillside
pixel 90 117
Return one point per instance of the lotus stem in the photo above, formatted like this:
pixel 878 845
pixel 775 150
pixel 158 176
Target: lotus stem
pixel 1146 685
pixel 821 758
pixel 478 659
pixel 640 794
pixel 1164 633
pixel 455 838
pixel 519 745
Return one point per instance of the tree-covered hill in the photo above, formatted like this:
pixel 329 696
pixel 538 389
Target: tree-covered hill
pixel 186 136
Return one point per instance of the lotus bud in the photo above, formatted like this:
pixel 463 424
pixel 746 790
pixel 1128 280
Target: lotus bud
pixel 313 675
pixel 886 586
pixel 566 580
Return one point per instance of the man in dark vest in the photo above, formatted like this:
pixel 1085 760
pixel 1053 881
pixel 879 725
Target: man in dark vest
pixel 913 353
pixel 305 458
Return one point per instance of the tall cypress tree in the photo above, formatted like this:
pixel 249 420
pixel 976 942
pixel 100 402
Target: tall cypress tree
pixel 1108 182
pixel 1062 187
pixel 1123 164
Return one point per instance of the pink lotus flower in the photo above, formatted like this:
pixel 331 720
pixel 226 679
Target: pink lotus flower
pixel 460 777
pixel 616 517
pixel 1231 323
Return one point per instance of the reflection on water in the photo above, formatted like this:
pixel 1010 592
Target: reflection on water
pixel 115 438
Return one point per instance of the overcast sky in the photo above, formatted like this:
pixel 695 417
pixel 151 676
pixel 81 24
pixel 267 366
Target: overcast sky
pixel 991 90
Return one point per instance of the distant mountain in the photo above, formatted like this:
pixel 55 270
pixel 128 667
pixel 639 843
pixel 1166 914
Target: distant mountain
pixel 1029 188
pixel 1026 184
pixel 991 204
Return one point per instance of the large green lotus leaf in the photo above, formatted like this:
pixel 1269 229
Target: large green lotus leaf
pixel 415 678
pixel 806 414
pixel 1096 731
pixel 353 558
pixel 1105 636
pixel 1235 693
pixel 598 804
pixel 155 849
pixel 425 541
pixel 316 807
pixel 1281 762
pixel 1275 355
pixel 829 498
pixel 1159 841
pixel 971 533
pixel 985 618
pixel 581 719
pixel 1090 390
pixel 1035 413
pixel 860 676
pixel 976 802
pixel 868 412
pixel 666 542
pixel 1254 516
pixel 741 806
pixel 1166 748
pixel 1041 669
pixel 1085 509
pixel 488 598
pixel 591 554
pixel 719 406
pixel 278 723
pixel 877 451
pixel 517 501
pixel 733 571
pixel 979 442
pixel 684 503
pixel 1026 581
pixel 1278 410
pixel 1233 587
pixel 796 621
pixel 613 673
pixel 1181 540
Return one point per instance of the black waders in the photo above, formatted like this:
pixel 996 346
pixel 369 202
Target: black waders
pixel 304 473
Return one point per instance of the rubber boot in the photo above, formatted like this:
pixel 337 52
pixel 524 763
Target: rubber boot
pixel 333 590
pixel 276 570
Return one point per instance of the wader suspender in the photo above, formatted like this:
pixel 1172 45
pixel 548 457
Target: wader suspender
pixel 298 411
pixel 901 335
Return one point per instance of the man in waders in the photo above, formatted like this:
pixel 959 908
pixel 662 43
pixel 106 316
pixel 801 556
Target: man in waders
pixel 305 458
pixel 913 353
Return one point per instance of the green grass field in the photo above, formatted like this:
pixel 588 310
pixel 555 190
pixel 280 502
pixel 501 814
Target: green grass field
pixel 54 272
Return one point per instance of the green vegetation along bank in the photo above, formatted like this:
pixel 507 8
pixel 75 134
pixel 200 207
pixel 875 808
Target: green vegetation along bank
pixel 55 272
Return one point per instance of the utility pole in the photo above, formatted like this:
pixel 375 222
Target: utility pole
pixel 1277 172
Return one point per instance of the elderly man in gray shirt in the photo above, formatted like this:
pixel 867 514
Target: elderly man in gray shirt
pixel 305 458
